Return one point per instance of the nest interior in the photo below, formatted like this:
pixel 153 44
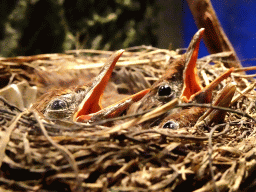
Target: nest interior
pixel 37 154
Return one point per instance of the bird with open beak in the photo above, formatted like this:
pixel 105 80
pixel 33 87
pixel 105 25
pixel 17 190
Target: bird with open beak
pixel 188 117
pixel 180 81
pixel 83 103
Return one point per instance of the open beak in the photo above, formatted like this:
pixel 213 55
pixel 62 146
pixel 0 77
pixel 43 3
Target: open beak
pixel 193 91
pixel 192 88
pixel 197 115
pixel 191 81
pixel 200 116
pixel 115 109
pixel 91 104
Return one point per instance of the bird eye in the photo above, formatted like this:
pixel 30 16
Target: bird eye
pixel 164 90
pixel 58 104
pixel 171 125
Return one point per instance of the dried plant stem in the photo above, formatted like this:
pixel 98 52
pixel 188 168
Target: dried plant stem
pixel 12 107
pixel 216 107
pixel 6 137
pixel 246 90
pixel 119 64
pixel 210 151
pixel 245 69
pixel 66 153
pixel 89 51
pixel 244 76
pixel 150 115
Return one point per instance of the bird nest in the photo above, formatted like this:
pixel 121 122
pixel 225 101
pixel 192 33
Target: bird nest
pixel 40 155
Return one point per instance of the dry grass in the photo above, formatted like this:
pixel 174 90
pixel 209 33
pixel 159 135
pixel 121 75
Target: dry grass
pixel 37 155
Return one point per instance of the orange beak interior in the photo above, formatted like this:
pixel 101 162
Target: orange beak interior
pixel 92 101
pixel 115 109
pixel 191 82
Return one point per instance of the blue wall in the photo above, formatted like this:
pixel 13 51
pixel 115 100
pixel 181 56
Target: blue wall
pixel 238 18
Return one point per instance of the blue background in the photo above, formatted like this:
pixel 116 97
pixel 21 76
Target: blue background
pixel 238 19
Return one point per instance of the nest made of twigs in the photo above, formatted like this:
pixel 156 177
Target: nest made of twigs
pixel 37 155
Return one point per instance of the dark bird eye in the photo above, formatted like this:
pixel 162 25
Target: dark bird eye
pixel 58 104
pixel 171 125
pixel 164 90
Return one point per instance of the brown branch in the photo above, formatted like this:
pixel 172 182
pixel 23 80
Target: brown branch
pixel 214 37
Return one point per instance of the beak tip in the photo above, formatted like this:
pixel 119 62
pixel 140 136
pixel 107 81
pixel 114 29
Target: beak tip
pixel 201 32
pixel 120 52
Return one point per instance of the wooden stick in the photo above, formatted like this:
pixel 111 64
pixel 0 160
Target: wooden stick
pixel 214 36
